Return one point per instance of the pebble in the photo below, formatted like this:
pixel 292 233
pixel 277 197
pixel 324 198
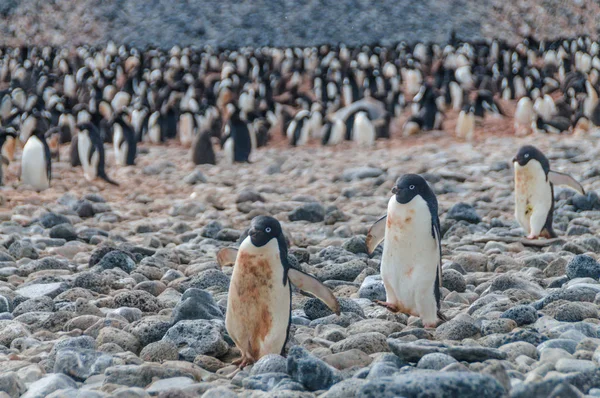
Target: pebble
pixel 197 337
pixel 583 266
pixel 308 370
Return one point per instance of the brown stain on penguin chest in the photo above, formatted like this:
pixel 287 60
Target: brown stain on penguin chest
pixel 255 292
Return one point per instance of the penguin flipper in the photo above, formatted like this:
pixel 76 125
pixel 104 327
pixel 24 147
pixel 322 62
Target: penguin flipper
pixel 557 178
pixel 376 234
pixel 227 256
pixel 312 285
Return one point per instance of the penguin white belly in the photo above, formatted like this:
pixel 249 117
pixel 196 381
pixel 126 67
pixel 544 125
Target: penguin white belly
pixel 228 150
pixel 533 197
pixel 364 132
pixel 456 95
pixel 120 153
pixel 410 259
pixel 338 133
pixel 154 134
pixel 186 129
pixel 258 304
pixel 33 165
pixel 84 146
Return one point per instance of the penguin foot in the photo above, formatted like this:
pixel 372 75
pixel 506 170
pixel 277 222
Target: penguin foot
pixel 531 237
pixel 390 306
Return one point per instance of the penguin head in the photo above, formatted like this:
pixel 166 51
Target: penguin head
pixel 529 152
pixel 410 185
pixel 263 229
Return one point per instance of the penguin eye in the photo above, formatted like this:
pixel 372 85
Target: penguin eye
pixel 526 156
pixel 268 230
pixel 411 187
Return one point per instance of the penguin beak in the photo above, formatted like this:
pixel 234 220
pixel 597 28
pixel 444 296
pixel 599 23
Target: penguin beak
pixel 514 159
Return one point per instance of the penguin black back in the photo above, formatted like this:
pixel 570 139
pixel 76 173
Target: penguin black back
pixel 202 149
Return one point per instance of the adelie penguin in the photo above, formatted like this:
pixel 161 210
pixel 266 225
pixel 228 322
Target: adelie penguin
pixel 237 144
pixel 411 260
pixel 124 140
pixel 8 142
pixel 90 149
pixel 534 191
pixel 36 165
pixel 259 300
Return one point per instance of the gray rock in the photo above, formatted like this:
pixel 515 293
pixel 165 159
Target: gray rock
pixel 311 212
pixel 49 220
pixel 463 212
pixel 381 369
pixel 80 364
pixel 315 308
pixel 345 389
pixel 566 365
pixel 150 329
pixel 141 376
pixel 123 339
pixel 165 386
pixel 583 266
pixel 453 281
pixel 356 245
pixel 11 384
pixel 347 271
pixel 574 312
pixel 221 392
pixel 446 384
pixel 196 304
pixel 63 231
pixel 48 384
pixel 197 337
pixel 521 314
pixel 228 234
pixel 195 177
pixel 23 249
pixel 359 173
pixel 565 344
pixel 271 363
pixel 435 361
pixel 372 288
pixel 138 299
pixel 249 195
pixel 160 351
pixel 208 278
pixel 370 343
pixel 456 329
pixel 42 289
pixel 211 229
pixel 37 304
pixel 265 381
pixel 310 371
pixel 116 259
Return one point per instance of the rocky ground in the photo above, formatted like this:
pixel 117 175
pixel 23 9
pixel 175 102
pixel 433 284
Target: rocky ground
pixel 288 22
pixel 114 291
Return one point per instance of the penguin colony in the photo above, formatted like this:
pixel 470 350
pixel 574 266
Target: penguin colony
pixel 223 104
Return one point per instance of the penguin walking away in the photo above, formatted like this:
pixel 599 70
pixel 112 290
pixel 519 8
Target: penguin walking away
pixel 202 149
pixel 411 261
pixel 363 130
pixel 534 191
pixel 259 302
pixel 36 166
pixel 91 153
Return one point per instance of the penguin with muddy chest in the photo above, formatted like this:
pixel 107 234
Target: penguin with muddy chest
pixel 259 300
pixel 411 260
pixel 534 191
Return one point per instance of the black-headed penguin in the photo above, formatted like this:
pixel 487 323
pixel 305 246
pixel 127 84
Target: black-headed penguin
pixel 259 301
pixel 124 139
pixel 411 260
pixel 534 191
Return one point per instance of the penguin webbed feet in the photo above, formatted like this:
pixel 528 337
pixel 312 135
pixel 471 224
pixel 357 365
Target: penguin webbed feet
pixel 390 306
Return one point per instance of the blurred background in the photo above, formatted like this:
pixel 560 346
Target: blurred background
pixel 232 23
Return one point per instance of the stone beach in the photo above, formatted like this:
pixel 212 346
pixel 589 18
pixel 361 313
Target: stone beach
pixel 115 291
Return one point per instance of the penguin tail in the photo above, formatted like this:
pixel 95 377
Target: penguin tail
pixel 107 179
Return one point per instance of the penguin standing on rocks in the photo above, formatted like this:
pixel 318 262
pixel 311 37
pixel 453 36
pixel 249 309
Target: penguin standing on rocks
pixel 36 166
pixel 202 149
pixel 259 300
pixel 524 115
pixel 534 191
pixel 90 149
pixel 237 144
pixel 8 142
pixel 124 141
pixel 363 130
pixel 465 124
pixel 411 261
